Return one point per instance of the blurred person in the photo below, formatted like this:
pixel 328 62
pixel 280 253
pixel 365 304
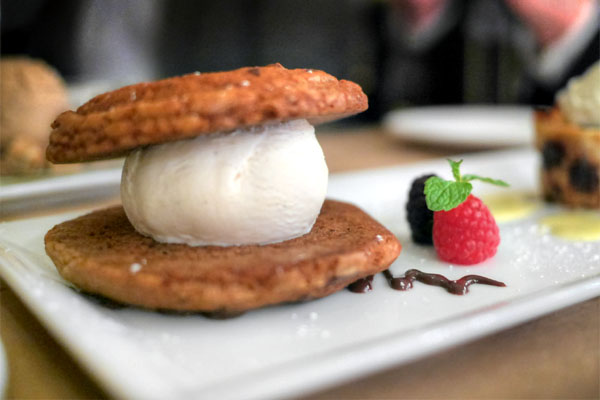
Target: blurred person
pixel 565 42
pixel 403 52
pixel 485 51
pixel 128 40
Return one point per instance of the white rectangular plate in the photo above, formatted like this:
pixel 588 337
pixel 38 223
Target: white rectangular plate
pixel 295 349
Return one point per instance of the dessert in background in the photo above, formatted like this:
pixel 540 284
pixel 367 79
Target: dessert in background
pixel 568 136
pixel 32 93
pixel 223 193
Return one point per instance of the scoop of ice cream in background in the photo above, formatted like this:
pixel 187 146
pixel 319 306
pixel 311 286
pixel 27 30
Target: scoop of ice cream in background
pixel 580 100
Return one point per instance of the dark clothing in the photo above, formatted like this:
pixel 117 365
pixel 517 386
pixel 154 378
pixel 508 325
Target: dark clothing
pixel 125 41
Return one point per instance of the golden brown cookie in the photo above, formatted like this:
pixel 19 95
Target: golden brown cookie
pixel 113 123
pixel 101 253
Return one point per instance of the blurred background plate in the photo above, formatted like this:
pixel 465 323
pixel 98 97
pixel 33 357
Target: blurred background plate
pixel 19 195
pixel 473 126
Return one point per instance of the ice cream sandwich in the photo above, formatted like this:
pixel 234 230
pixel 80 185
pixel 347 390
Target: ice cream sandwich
pixel 223 193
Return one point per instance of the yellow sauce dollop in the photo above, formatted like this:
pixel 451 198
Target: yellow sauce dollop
pixel 574 225
pixel 510 206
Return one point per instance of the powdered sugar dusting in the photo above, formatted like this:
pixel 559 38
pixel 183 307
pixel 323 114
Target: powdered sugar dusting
pixel 135 268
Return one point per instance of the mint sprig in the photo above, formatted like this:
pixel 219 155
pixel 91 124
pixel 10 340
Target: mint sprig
pixel 441 194
pixel 471 177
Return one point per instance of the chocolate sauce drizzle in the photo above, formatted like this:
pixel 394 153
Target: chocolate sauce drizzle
pixel 362 285
pixel 458 287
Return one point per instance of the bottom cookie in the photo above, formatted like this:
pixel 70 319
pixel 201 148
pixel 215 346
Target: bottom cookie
pixel 101 253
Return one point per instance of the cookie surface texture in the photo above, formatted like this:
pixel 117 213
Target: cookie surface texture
pixel 101 253
pixel 111 124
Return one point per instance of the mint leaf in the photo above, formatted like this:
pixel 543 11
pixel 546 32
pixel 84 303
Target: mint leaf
pixel 471 177
pixel 445 195
pixel 455 165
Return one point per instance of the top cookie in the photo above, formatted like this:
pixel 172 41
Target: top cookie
pixel 113 123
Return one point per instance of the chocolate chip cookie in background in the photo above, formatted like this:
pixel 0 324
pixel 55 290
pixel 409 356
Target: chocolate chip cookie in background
pixel 222 161
pixel 568 137
pixel 32 93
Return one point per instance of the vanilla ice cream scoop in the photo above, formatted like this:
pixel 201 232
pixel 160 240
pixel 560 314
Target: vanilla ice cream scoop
pixel 259 185
pixel 580 100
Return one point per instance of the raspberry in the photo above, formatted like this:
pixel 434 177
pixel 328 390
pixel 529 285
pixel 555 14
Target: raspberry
pixel 467 234
pixel 420 218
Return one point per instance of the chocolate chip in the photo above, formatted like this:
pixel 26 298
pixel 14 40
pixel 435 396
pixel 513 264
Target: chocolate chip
pixel 552 153
pixel 553 194
pixel 584 176
pixel 254 71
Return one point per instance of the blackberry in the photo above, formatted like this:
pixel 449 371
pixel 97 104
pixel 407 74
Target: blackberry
pixel 553 153
pixel 583 176
pixel 420 218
